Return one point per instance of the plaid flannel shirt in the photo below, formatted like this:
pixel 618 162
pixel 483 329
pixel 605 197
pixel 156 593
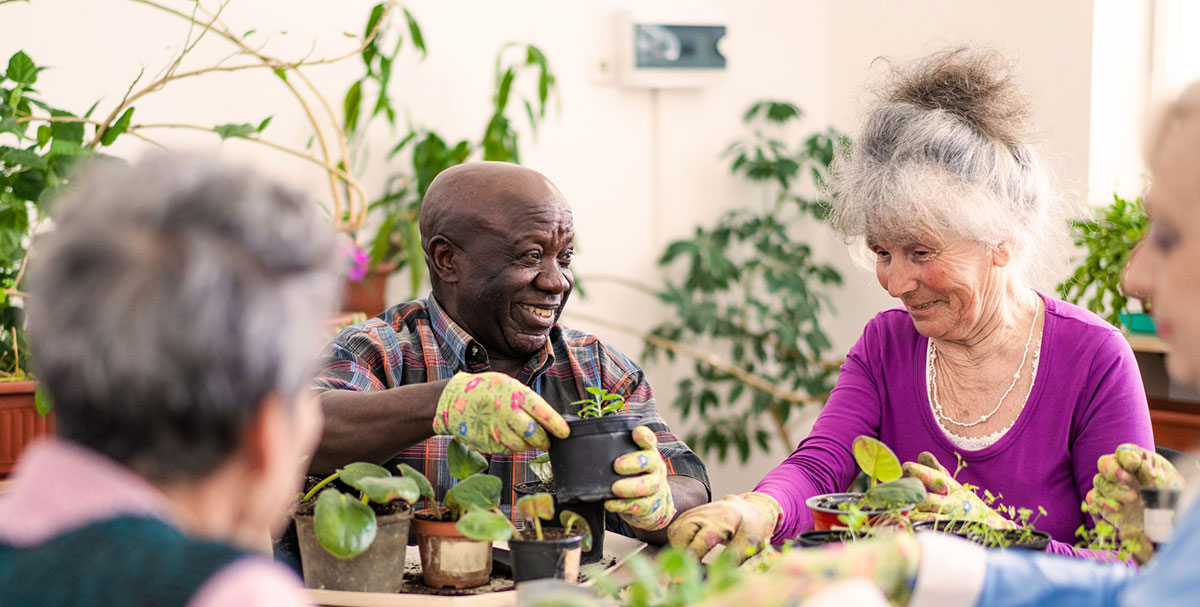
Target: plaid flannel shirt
pixel 417 342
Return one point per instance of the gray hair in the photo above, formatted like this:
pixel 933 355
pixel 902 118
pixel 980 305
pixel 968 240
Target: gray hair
pixel 1169 116
pixel 169 301
pixel 947 149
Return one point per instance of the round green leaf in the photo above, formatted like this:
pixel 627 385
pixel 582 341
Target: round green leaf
pixel 463 462
pixel 478 492
pixel 386 489
pixel 537 505
pixel 875 459
pixel 422 483
pixel 21 69
pixel 573 523
pixel 345 526
pixel 357 471
pixel 485 526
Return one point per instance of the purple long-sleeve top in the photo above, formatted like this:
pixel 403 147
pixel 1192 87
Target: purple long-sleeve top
pixel 1087 399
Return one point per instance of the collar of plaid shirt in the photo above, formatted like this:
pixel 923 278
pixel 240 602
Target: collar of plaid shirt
pixel 459 346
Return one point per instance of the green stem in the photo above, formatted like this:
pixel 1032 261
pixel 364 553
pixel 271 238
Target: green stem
pixel 314 490
pixel 537 527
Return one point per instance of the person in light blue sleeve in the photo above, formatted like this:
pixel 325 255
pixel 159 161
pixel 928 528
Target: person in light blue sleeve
pixel 935 569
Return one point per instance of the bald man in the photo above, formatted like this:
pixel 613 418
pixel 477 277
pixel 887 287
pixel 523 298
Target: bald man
pixel 498 241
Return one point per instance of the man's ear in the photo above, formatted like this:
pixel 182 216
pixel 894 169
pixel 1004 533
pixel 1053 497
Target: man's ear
pixel 443 259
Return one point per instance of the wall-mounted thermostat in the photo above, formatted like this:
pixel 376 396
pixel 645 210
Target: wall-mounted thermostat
pixel 668 52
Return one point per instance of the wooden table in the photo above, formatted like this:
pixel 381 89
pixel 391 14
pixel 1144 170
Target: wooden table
pixel 616 547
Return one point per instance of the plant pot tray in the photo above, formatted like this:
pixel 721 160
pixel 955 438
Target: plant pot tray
pixel 617 550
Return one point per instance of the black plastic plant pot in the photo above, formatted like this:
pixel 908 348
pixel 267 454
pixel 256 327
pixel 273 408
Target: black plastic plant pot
pixel 592 512
pixel 959 528
pixel 553 557
pixel 583 462
pixel 822 537
pixel 1020 539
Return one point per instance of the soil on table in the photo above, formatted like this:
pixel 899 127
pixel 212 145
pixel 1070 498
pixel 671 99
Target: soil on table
pixel 413 584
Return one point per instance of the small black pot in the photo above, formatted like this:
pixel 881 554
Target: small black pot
pixel 822 537
pixel 953 527
pixel 592 512
pixel 583 462
pixel 1012 538
pixel 552 557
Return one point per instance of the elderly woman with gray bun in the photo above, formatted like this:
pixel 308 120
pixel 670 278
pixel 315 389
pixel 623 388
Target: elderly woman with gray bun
pixel 944 188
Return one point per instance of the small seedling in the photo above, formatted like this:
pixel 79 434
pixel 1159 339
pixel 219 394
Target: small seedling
pixel 887 489
pixel 539 507
pixel 601 403
pixel 540 466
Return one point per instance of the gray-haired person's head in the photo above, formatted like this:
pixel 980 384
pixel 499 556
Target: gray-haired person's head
pixel 947 149
pixel 169 301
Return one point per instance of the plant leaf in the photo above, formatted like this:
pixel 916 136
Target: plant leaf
pixel 574 523
pixel 462 461
pixel 41 400
pixel 423 485
pixel 478 492
pixel 414 31
pixel 485 526
pixel 537 505
pixel 345 526
pixel 876 459
pixel 227 131
pixel 351 474
pixel 385 489
pixel 118 127
pixel 21 69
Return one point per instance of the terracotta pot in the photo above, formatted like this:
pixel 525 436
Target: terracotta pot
pixel 368 295
pixel 448 558
pixel 379 569
pixel 19 421
pixel 825 510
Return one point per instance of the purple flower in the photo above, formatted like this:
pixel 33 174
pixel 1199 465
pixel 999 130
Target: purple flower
pixel 358 262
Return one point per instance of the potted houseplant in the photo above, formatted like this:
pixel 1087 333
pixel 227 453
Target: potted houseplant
pixel 358 543
pixel 886 501
pixel 593 513
pixel 1096 282
pixel 583 462
pixel 537 552
pixel 451 554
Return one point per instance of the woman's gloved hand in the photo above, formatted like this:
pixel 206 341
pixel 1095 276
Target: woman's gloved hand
pixel 744 521
pixel 946 498
pixel 644 499
pixel 494 413
pixel 1114 494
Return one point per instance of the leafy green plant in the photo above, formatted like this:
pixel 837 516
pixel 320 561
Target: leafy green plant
pixel 1105 537
pixel 538 507
pixel 752 290
pixel 674 578
pixel 1109 238
pixel 887 490
pixel 600 404
pixel 396 242
pixel 346 525
pixel 541 468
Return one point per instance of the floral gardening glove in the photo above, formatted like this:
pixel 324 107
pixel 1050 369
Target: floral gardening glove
pixel 946 498
pixel 644 499
pixel 890 565
pixel 745 521
pixel 494 413
pixel 1114 494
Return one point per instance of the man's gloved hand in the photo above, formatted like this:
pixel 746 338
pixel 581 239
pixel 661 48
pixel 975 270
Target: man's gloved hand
pixel 644 499
pixel 890 565
pixel 494 413
pixel 744 521
pixel 1114 494
pixel 946 498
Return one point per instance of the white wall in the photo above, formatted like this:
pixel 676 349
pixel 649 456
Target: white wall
pixel 640 168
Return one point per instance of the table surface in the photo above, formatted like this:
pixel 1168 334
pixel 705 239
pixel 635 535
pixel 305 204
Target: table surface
pixel 616 547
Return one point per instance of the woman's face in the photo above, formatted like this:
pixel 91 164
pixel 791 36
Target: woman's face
pixel 1164 267
pixel 949 285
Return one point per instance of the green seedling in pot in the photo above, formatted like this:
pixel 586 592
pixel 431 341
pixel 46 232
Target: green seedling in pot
pixel 345 525
pixel 887 489
pixel 601 403
pixel 539 507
